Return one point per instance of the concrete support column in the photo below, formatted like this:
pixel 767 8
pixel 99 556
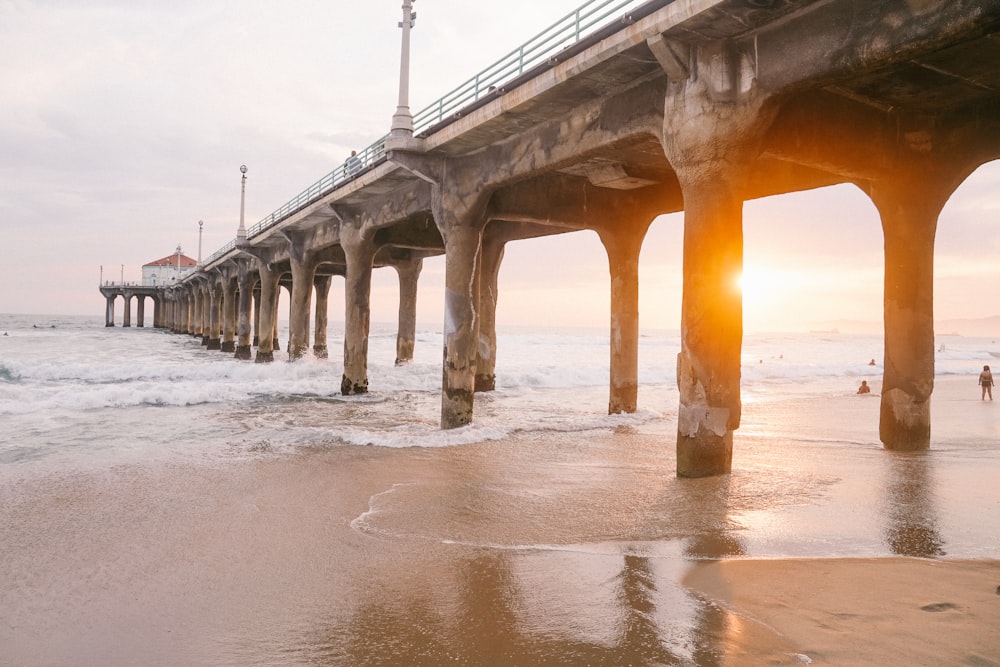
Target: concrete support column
pixel 127 319
pixel 275 344
pixel 197 312
pixel 909 201
pixel 322 285
pixel 623 249
pixel 300 304
pixel 158 313
pixel 109 310
pixel 408 272
pixel 228 343
pixel 244 283
pixel 462 257
pixel 187 313
pixel 267 310
pixel 140 311
pixel 360 253
pixel 713 126
pixel 214 302
pixel 486 351
pixel 256 315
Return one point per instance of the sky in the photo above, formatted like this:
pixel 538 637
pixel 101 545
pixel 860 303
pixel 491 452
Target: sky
pixel 124 124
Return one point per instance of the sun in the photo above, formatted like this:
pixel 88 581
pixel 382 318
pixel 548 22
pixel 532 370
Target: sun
pixel 762 288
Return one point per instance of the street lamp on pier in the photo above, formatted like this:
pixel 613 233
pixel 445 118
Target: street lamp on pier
pixel 123 275
pixel 241 233
pixel 402 120
pixel 200 225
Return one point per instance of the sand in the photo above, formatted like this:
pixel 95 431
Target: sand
pixel 539 549
pixel 891 611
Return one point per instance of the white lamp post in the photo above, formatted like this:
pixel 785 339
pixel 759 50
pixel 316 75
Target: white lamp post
pixel 402 120
pixel 200 225
pixel 241 233
pixel 123 275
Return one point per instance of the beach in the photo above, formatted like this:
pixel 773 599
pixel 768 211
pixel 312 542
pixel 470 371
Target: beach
pixel 536 545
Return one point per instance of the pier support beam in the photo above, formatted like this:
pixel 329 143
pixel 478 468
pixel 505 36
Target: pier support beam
pixel 713 127
pixel 623 249
pixel 359 250
pixel 140 311
pixel 212 317
pixel 244 284
pixel 228 343
pixel 266 309
pixel 127 318
pixel 462 237
pixel 322 286
pixel 909 198
pixel 198 312
pixel 109 310
pixel 408 272
pixel 256 314
pixel 486 352
pixel 300 305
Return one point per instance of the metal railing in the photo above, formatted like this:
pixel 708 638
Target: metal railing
pixel 540 49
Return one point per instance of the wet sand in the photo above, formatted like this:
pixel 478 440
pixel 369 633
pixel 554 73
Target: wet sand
pixel 891 611
pixel 540 549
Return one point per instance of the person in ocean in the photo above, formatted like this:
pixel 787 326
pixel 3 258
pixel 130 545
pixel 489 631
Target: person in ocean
pixel 986 382
pixel 864 388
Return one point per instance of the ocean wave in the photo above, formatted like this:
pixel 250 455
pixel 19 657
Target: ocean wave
pixel 8 375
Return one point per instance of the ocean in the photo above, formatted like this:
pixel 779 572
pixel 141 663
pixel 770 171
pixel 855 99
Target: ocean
pixel 166 504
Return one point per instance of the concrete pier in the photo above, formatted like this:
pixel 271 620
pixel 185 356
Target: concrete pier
pixel 693 106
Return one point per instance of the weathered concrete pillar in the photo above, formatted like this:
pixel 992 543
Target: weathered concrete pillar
pixel 245 286
pixel 214 303
pixel 486 351
pixel 127 319
pixel 462 256
pixel 267 310
pixel 359 249
pixel 408 272
pixel 158 313
pixel 322 285
pixel 256 315
pixel 197 311
pixel 623 246
pixel 109 310
pixel 909 200
pixel 300 302
pixel 714 123
pixel 275 343
pixel 228 343
pixel 140 311
pixel 187 325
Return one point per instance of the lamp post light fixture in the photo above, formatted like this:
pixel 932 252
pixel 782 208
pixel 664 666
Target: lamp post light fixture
pixel 123 275
pixel 102 275
pixel 402 120
pixel 200 225
pixel 241 233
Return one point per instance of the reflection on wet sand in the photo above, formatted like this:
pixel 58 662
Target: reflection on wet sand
pixel 487 623
pixel 909 513
pixel 617 602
